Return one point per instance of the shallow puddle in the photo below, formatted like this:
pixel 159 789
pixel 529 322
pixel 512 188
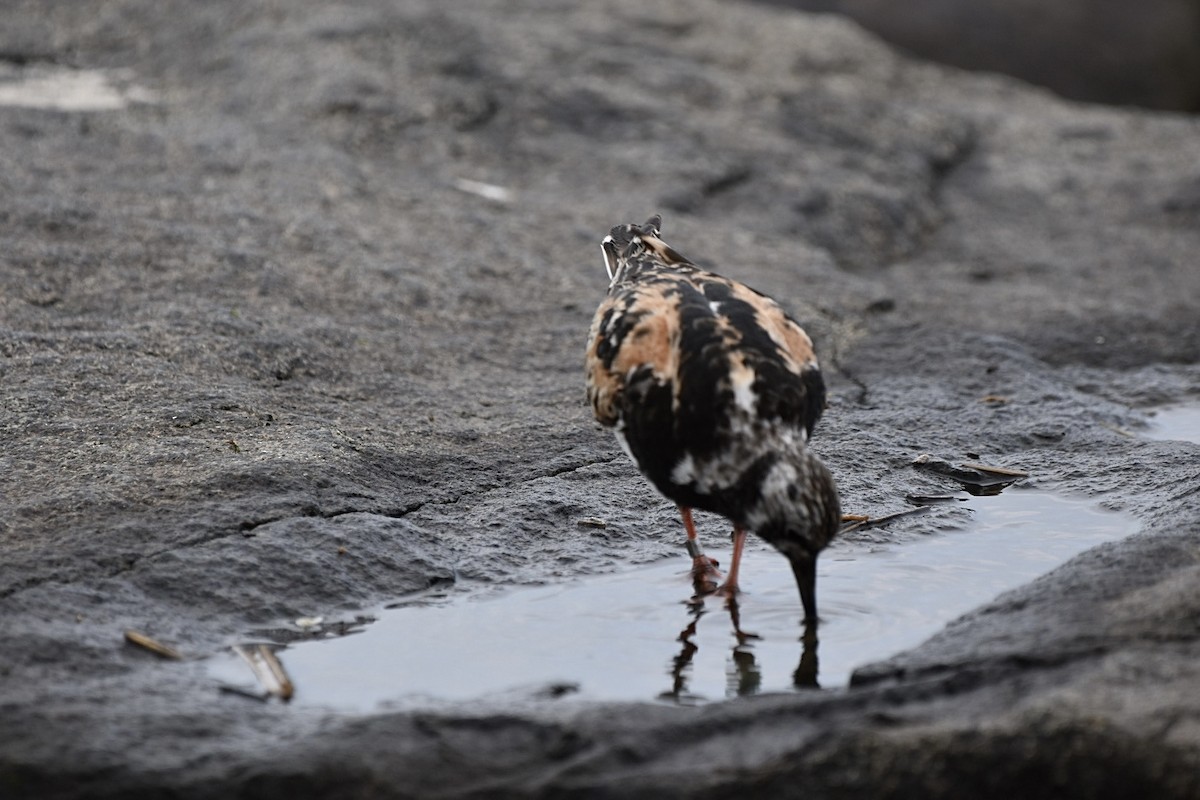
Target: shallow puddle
pixel 1177 422
pixel 637 635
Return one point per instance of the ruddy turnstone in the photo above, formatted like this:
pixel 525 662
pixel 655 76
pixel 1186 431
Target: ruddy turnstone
pixel 713 391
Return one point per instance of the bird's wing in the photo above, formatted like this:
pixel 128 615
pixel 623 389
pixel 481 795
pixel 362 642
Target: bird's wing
pixel 771 351
pixel 635 331
pixel 734 338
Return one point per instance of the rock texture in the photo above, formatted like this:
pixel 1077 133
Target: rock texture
pixel 266 351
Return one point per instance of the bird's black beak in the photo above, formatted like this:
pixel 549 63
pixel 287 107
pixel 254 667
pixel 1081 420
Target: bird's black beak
pixel 804 567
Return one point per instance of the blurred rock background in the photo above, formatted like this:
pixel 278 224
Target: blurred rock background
pixel 1099 51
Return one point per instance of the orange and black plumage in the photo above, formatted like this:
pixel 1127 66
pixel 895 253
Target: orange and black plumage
pixel 713 391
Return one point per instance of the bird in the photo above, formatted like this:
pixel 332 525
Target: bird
pixel 713 391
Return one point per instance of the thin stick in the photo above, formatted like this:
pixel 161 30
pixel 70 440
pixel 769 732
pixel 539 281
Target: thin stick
pixel 874 521
pixel 1012 473
pixel 267 669
pixel 158 648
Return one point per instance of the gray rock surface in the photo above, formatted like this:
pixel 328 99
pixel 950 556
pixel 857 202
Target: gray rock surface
pixel 263 355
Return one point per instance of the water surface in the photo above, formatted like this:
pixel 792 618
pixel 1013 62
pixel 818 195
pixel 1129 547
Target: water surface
pixel 640 635
pixel 1176 422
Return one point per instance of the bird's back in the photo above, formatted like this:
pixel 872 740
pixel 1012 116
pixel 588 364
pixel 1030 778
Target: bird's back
pixel 703 379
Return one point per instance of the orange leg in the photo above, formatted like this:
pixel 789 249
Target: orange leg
pixel 704 569
pixel 730 587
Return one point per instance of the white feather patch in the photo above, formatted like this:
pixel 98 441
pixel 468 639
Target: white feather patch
pixel 742 382
pixel 609 267
pixel 684 472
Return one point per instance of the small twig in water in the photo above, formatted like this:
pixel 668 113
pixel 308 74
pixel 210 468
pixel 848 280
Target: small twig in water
pixel 872 522
pixel 267 669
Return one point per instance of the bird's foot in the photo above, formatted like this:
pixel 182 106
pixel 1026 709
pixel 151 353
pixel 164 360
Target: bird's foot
pixel 705 575
pixel 729 591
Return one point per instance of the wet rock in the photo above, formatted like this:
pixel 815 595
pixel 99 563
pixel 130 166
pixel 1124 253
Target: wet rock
pixel 263 359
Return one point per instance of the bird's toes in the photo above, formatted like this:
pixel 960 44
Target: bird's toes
pixel 705 577
pixel 728 590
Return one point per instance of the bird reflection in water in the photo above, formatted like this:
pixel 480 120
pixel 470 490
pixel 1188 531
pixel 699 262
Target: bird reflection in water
pixel 744 678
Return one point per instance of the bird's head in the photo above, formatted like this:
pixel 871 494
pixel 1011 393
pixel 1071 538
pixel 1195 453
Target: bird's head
pixel 629 243
pixel 796 508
